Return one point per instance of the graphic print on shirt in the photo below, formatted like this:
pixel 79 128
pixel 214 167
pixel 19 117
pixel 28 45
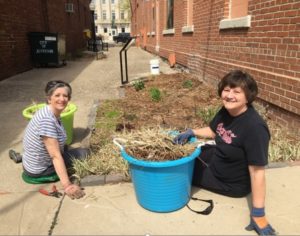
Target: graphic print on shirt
pixel 226 135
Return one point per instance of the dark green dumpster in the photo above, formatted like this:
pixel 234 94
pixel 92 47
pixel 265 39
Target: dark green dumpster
pixel 47 48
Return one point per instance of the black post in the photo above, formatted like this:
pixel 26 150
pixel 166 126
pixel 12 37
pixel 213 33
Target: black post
pixel 94 33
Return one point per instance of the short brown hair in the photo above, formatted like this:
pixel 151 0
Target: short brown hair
pixel 238 78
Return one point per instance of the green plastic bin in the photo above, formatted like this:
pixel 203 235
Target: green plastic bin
pixel 67 117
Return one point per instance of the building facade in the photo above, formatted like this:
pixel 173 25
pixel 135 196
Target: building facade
pixel 210 38
pixel 17 18
pixel 111 17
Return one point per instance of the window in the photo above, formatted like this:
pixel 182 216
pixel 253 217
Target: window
pixel 113 15
pixel 189 19
pixel 238 8
pixel 96 29
pixel 170 14
pixel 153 19
pixel 235 15
pixel 105 30
pixel 112 1
pixel 103 2
pixel 123 30
pixel 122 15
pixel 188 27
pixel 95 16
pixel 104 14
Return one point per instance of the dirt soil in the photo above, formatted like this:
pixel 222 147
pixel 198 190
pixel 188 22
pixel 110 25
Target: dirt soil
pixel 176 106
pixel 182 95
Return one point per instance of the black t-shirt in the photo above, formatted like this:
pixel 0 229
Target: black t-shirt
pixel 240 141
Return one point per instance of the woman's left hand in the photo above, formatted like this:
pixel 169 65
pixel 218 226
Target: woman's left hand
pixel 261 226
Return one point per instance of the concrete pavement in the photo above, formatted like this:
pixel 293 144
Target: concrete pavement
pixel 112 208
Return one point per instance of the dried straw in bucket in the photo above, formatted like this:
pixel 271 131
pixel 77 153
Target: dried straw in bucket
pixel 154 144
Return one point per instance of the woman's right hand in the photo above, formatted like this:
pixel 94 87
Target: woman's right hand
pixel 74 191
pixel 183 138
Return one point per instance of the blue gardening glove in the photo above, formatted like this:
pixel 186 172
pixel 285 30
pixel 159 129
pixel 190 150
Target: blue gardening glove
pixel 184 137
pixel 259 222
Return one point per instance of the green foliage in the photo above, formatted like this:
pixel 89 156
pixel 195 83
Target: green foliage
pixel 187 84
pixel 112 114
pixel 139 85
pixel 207 113
pixel 155 94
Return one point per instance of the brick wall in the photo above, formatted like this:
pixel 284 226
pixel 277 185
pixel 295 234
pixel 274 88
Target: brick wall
pixel 269 50
pixel 17 18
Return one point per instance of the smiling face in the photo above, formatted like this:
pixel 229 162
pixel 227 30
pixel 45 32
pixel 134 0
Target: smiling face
pixel 234 100
pixel 58 100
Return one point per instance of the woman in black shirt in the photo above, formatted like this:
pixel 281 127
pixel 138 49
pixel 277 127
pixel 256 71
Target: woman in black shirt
pixel 235 165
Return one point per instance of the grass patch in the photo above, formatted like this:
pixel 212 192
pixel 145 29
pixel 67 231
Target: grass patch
pixel 155 94
pixel 187 84
pixel 282 147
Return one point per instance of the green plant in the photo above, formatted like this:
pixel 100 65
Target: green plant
pixel 138 85
pixel 155 94
pixel 207 113
pixel 187 84
pixel 112 114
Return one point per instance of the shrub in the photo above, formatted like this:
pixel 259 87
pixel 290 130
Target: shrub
pixel 138 85
pixel 155 94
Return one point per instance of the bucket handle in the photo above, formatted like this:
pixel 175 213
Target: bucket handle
pixel 117 141
pixel 210 142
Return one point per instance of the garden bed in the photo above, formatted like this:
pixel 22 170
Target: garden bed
pixel 177 102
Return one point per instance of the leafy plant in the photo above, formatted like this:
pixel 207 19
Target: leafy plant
pixel 138 85
pixel 207 113
pixel 187 84
pixel 155 94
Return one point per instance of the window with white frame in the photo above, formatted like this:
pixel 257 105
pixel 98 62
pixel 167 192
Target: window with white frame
pixel 103 14
pixel 235 15
pixel 113 15
pixel 122 15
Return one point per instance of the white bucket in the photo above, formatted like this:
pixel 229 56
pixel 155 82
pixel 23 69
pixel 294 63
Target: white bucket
pixel 154 66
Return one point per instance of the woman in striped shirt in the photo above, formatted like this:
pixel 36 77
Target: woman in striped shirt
pixel 45 138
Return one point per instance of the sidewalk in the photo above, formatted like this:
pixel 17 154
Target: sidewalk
pixel 112 208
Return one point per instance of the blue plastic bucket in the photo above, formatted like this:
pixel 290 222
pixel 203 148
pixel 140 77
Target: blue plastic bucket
pixel 162 186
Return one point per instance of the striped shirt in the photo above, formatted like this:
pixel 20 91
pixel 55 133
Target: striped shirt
pixel 36 158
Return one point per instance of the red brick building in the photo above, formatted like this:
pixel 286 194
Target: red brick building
pixel 18 18
pixel 213 37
